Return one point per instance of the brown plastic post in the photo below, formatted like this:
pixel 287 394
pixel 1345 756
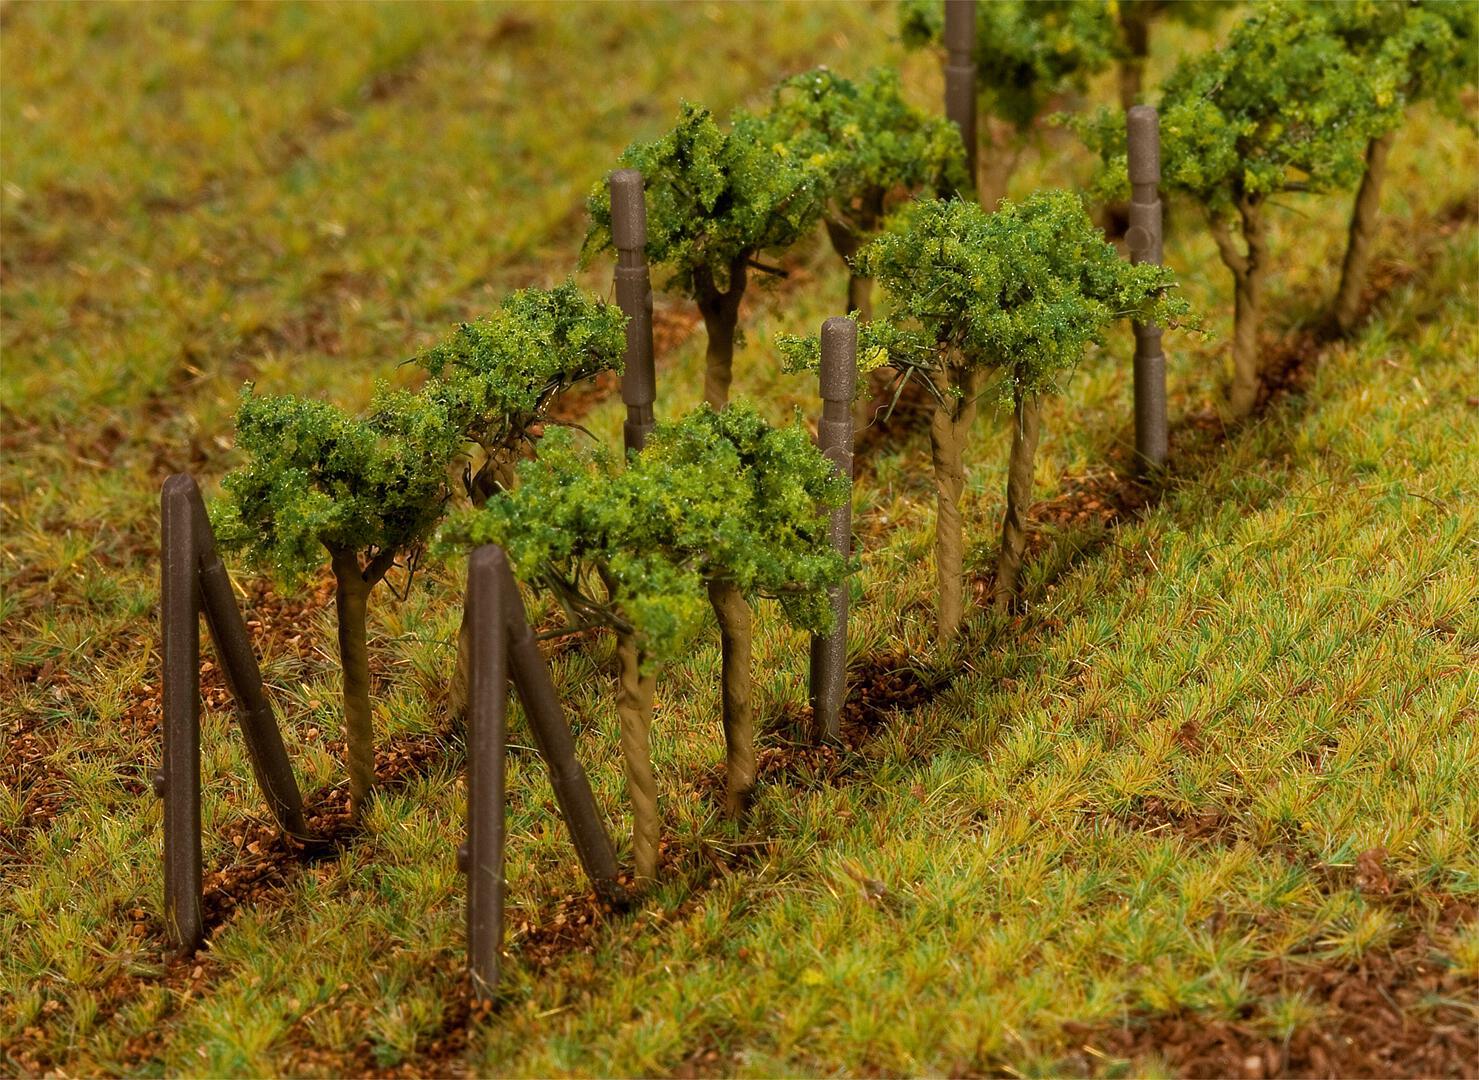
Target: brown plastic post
pixel 839 385
pixel 254 712
pixel 1144 239
pixel 960 76
pixel 179 780
pixel 557 746
pixel 634 294
pixel 487 713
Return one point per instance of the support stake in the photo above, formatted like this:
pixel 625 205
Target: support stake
pixel 179 609
pixel 839 385
pixel 557 747
pixel 487 713
pixel 634 294
pixel 193 582
pixel 1144 238
pixel 254 713
pixel 960 77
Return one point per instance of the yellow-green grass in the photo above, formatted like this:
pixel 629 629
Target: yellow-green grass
pixel 1283 647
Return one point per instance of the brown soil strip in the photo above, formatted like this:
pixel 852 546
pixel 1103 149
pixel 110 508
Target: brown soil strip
pixel 1399 1011
pixel 269 860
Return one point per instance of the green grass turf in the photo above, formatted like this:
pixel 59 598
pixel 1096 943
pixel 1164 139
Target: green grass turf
pixel 1127 803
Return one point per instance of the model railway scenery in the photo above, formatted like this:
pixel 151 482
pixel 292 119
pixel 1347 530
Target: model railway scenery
pixel 895 537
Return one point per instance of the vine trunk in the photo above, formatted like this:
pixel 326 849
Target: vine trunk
pixel 634 696
pixel 950 425
pixel 735 638
pixel 1026 428
pixel 1357 262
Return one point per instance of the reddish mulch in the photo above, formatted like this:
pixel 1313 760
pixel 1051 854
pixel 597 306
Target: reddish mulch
pixel 883 687
pixel 1104 497
pixel 25 770
pixel 544 936
pixel 269 859
pixel 278 621
pixel 879 690
pixel 1400 1012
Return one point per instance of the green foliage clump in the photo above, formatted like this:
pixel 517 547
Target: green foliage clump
pixel 1023 291
pixel 869 142
pixel 873 148
pixel 318 479
pixel 497 376
pixel 714 198
pixel 1026 51
pixel 1423 49
pixel 718 509
pixel 712 497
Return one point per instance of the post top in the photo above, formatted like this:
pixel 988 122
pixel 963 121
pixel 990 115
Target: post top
pixel 180 484
pixel 839 372
pixel 628 210
pixel 488 555
pixel 1143 128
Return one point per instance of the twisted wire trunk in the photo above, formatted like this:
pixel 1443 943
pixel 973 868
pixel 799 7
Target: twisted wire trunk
pixel 735 640
pixel 1357 262
pixel 950 425
pixel 351 606
pixel 1026 428
pixel 634 696
pixel 720 311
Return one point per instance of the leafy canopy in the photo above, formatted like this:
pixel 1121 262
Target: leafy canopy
pixel 867 140
pixel 713 197
pixel 1432 46
pixel 318 478
pixel 1024 291
pixel 1026 51
pixel 496 376
pixel 1283 106
pixel 712 496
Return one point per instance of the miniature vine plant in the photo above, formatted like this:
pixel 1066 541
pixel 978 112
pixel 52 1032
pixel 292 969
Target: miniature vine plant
pixel 717 510
pixel 1413 50
pixel 365 491
pixel 716 199
pixel 1283 107
pixel 873 148
pixel 1014 297
pixel 498 376
pixel 1028 52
